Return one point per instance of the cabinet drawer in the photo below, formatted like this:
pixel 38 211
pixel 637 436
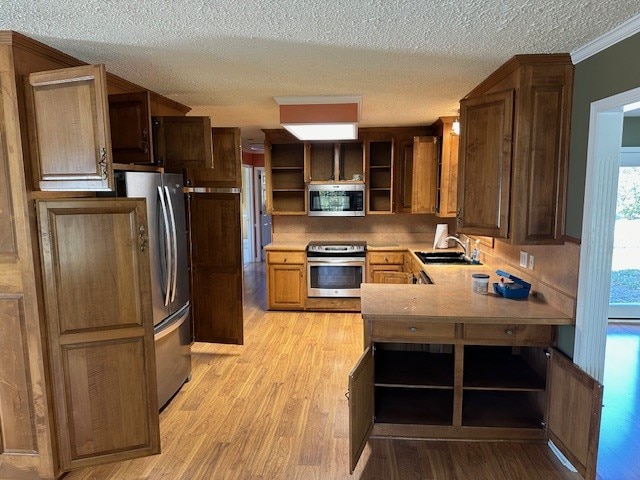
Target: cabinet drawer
pixel 297 258
pixel 386 258
pixel 413 331
pixel 508 334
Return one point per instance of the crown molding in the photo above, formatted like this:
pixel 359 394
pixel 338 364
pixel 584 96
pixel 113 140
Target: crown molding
pixel 621 32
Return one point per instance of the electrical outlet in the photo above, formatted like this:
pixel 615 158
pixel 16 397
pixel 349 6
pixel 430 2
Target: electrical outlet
pixel 523 259
pixel 531 261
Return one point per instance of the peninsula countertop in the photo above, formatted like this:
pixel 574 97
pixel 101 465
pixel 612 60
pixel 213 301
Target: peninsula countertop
pixel 451 299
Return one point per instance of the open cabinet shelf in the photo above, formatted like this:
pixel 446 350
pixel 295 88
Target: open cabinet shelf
pixel 501 409
pixel 414 406
pixel 499 368
pixel 413 369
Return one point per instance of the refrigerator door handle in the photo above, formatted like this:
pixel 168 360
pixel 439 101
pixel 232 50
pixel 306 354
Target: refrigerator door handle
pixel 174 245
pixel 168 249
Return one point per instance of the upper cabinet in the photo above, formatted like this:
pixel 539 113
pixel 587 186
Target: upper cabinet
pixel 174 142
pixel 424 194
pixel 383 158
pixel 334 162
pixel 514 151
pixel 227 162
pixel 69 129
pixel 182 142
pixel 285 171
pixel 379 180
pixel 447 204
pixel 130 121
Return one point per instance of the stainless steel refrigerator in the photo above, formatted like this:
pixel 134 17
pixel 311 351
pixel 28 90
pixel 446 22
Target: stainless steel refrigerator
pixel 169 273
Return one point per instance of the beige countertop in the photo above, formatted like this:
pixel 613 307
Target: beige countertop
pixel 451 299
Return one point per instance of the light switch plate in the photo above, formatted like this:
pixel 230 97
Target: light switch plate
pixel 523 259
pixel 531 261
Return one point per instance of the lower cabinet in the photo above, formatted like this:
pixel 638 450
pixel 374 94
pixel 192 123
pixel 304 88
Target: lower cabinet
pixel 216 267
pixel 384 261
pixel 463 389
pixel 100 330
pixel 286 280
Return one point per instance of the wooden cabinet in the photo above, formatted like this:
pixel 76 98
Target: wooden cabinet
pixel 419 379
pixel 334 162
pixel 514 151
pixel 426 151
pixel 83 393
pixel 379 158
pixel 286 280
pixel 447 203
pixel 285 171
pixel 69 129
pixel 383 261
pixel 130 122
pixel 227 162
pixel 216 267
pixel 100 329
pixel 182 142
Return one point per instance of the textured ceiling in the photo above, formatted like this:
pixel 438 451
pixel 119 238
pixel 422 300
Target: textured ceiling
pixel 410 60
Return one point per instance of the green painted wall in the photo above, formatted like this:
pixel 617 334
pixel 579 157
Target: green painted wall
pixel 631 132
pixel 612 71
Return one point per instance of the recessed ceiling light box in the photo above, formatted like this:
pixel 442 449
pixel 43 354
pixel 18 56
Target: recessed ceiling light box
pixel 321 118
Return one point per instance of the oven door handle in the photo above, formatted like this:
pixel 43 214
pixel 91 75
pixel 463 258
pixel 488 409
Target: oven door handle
pixel 347 262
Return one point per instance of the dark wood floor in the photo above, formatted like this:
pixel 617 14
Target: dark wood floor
pixel 619 449
pixel 275 409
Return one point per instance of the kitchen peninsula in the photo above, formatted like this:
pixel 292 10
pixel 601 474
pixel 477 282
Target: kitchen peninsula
pixel 442 362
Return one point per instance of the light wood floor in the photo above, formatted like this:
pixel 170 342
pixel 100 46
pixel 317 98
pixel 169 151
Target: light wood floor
pixel 275 408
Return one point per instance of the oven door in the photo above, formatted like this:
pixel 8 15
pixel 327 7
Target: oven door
pixel 334 276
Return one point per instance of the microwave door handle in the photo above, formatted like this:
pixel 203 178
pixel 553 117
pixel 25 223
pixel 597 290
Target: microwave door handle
pixel 174 244
pixel 168 253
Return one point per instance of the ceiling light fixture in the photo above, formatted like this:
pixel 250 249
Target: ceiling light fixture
pixel 321 118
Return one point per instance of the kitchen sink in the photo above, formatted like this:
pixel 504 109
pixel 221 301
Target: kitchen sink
pixel 445 258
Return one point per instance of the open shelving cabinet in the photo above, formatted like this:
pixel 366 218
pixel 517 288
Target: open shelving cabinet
pixel 474 392
pixel 285 161
pixel 334 162
pixel 379 156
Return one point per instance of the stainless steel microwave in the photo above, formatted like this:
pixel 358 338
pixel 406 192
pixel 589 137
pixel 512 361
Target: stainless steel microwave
pixel 336 200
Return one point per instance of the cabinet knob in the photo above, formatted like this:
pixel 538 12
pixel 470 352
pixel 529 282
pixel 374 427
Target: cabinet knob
pixel 413 329
pixel 508 331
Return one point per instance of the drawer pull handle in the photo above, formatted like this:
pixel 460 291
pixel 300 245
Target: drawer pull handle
pixel 413 329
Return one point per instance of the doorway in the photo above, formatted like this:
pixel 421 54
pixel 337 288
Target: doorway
pixel 263 219
pixel 624 300
pixel 594 283
pixel 248 254
pixel 596 251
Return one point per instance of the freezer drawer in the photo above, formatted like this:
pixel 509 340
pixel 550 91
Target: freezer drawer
pixel 173 354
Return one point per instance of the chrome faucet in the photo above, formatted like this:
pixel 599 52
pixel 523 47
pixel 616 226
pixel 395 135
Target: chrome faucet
pixel 457 240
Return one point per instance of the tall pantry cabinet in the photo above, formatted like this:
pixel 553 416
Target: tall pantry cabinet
pixel 77 370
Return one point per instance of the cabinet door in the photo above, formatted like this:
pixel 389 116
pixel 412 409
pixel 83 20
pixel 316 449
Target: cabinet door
pixel 69 129
pixel 286 287
pixel 573 415
pixel 130 127
pixel 425 173
pixel 404 176
pixel 485 164
pixel 95 262
pixel 361 406
pixel 227 162
pixel 182 142
pixel 448 178
pixel 216 267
